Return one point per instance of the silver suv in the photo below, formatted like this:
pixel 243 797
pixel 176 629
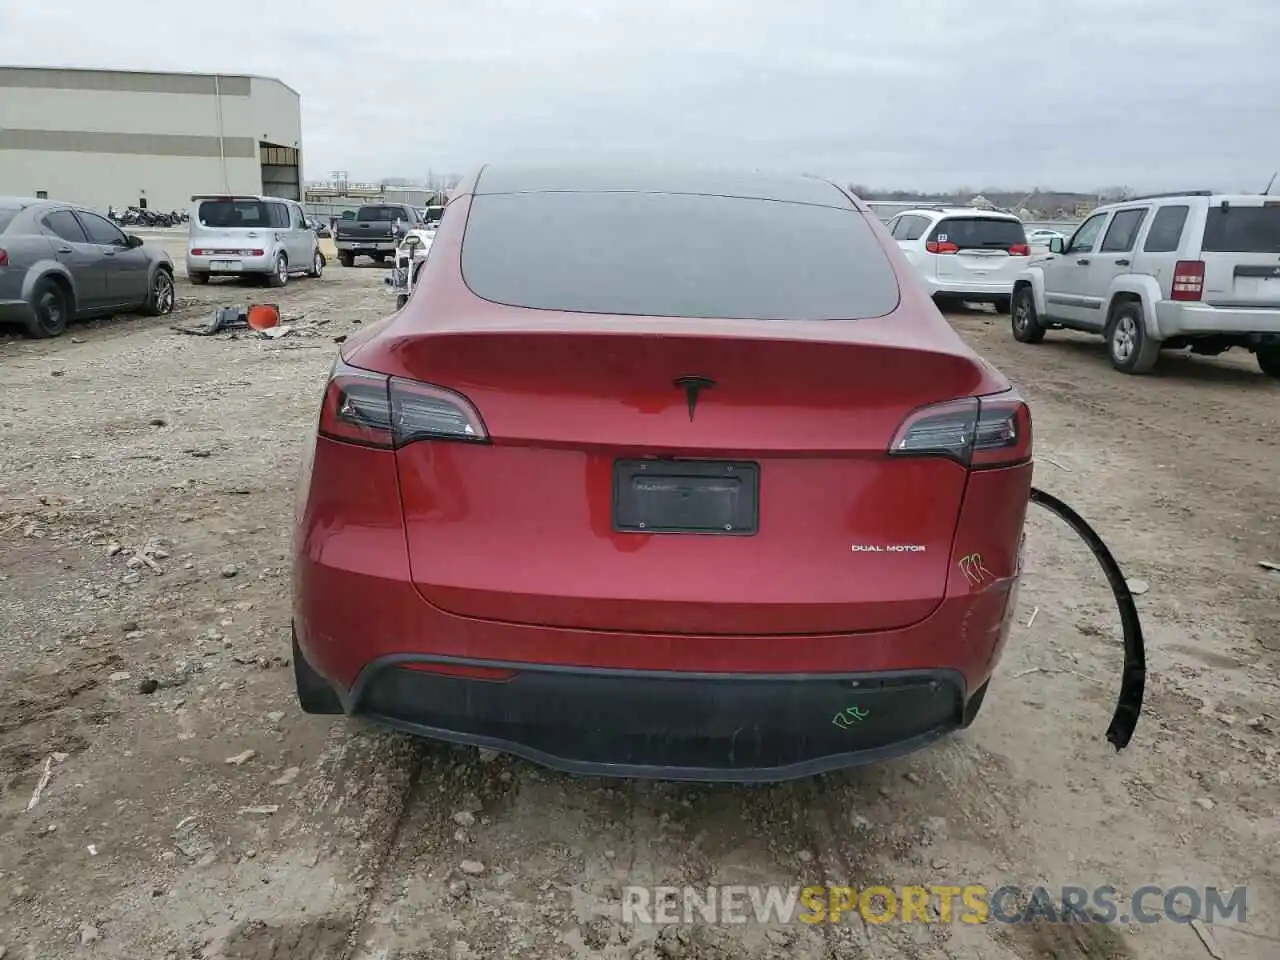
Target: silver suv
pixel 1169 271
pixel 238 236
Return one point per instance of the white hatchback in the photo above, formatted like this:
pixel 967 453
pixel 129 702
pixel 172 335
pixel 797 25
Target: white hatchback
pixel 963 253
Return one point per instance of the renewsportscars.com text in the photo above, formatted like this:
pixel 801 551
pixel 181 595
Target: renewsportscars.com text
pixel 972 904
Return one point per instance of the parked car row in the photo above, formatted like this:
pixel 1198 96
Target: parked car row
pixel 1198 271
pixel 1192 270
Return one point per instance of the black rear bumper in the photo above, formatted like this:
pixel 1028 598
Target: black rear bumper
pixel 675 726
pixel 15 311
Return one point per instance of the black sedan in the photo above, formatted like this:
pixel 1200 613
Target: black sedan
pixel 60 262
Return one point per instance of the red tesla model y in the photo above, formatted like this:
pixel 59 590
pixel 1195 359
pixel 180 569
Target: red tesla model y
pixel 662 474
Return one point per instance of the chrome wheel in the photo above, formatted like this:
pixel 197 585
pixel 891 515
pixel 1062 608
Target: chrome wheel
pixel 282 270
pixel 163 292
pixel 1021 315
pixel 318 267
pixel 1125 338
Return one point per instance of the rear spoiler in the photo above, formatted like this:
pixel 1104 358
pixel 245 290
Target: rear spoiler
pixel 221 196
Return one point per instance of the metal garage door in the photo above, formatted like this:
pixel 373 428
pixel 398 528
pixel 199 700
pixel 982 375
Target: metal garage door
pixel 280 174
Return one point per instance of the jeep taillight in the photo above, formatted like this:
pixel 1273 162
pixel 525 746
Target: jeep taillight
pixel 1188 280
pixel 374 410
pixel 944 246
pixel 1019 250
pixel 978 432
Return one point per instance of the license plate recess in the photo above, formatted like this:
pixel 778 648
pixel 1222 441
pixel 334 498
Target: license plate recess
pixel 686 496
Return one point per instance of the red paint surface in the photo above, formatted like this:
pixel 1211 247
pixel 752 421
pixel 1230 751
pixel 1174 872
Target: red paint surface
pixel 505 551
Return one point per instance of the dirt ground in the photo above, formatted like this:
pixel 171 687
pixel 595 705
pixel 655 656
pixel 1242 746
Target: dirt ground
pixel 192 810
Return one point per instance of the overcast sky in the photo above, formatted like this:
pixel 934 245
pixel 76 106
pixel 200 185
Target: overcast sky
pixel 1076 94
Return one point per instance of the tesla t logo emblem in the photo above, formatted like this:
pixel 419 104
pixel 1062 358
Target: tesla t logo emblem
pixel 974 570
pixel 692 386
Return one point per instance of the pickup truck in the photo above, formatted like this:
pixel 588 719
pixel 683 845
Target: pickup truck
pixel 369 234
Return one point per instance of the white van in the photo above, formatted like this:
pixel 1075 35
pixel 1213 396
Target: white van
pixel 263 236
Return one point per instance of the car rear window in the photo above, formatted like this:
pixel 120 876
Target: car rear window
pixel 234 213
pixel 6 217
pixel 1243 229
pixel 980 233
pixel 365 214
pixel 676 255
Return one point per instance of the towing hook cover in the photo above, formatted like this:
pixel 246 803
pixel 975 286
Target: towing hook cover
pixel 1134 674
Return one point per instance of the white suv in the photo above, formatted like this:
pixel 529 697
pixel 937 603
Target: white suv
pixel 1198 270
pixel 963 253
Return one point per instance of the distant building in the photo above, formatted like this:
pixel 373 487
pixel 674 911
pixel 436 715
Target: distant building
pixel 1085 207
pixel 981 203
pixel 117 138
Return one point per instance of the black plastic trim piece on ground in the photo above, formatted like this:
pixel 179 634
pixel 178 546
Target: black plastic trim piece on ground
pixel 1134 675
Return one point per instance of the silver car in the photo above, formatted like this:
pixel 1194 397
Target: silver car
pixel 60 262
pixel 237 236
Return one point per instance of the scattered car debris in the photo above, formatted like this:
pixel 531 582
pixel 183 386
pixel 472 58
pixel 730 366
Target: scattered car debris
pixel 1138 587
pixel 240 759
pixel 263 811
pixel 287 777
pixel 1206 938
pixel 1269 565
pixel 1032 619
pixel 260 320
pixel 185 837
pixel 45 777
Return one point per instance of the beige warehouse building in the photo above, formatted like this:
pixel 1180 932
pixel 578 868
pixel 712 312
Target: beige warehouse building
pixel 116 138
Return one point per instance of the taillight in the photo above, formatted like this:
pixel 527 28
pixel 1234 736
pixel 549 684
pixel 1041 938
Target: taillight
pixel 1188 280
pixel 423 411
pixel 4 257
pixel 946 246
pixel 374 410
pixel 978 432
pixel 1019 250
